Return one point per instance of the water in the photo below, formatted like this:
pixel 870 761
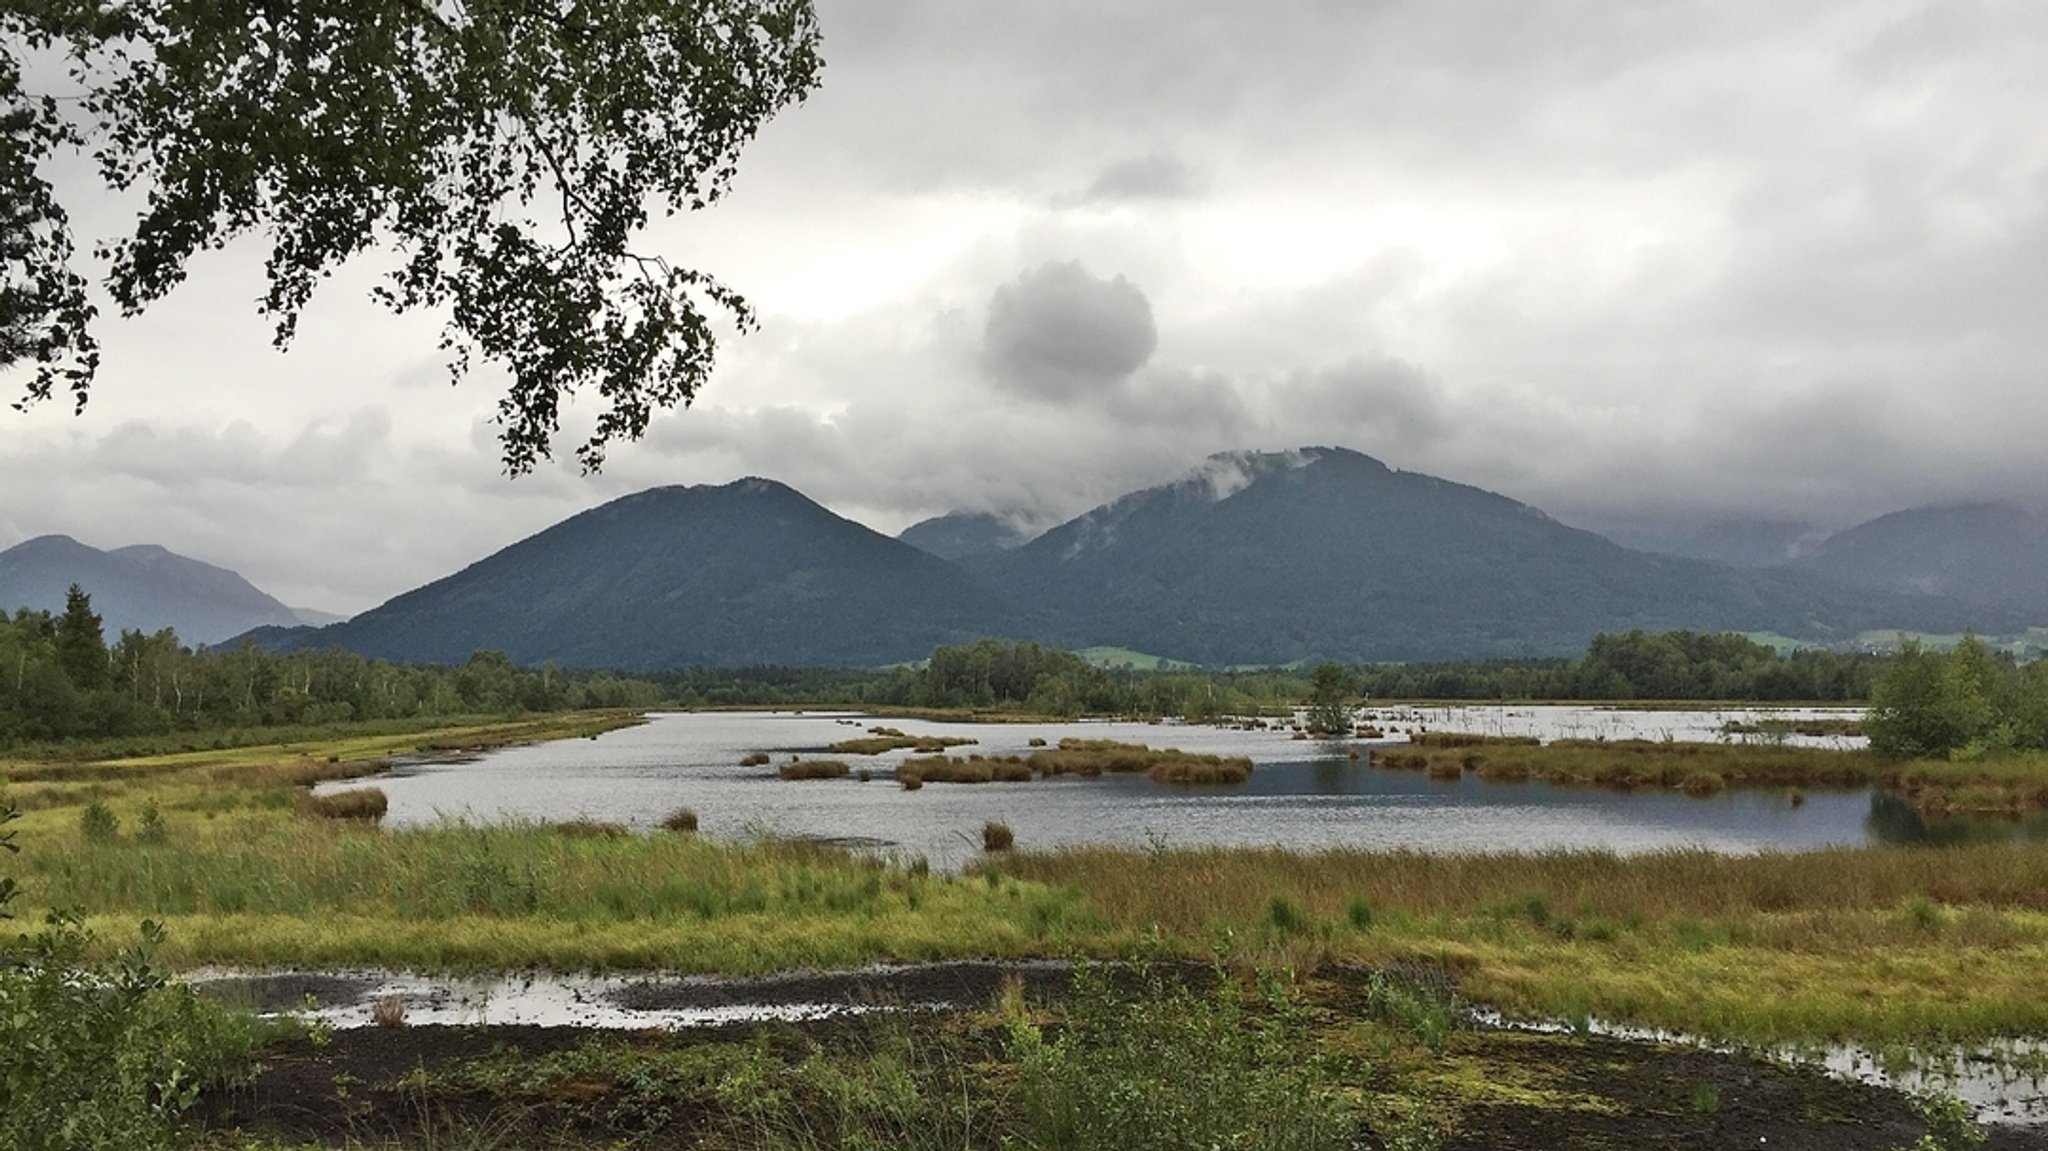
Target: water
pixel 1303 795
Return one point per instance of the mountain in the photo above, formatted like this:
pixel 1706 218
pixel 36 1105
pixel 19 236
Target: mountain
pixel 750 572
pixel 958 535
pixel 1985 553
pixel 144 588
pixel 1742 543
pixel 1323 552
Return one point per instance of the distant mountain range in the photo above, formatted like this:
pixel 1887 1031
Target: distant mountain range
pixel 1253 558
pixel 144 588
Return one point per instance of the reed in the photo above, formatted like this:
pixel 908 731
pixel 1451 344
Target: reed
pixel 366 804
pixel 814 769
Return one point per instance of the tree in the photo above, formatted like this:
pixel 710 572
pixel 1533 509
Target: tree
pixel 81 645
pixel 506 151
pixel 1329 699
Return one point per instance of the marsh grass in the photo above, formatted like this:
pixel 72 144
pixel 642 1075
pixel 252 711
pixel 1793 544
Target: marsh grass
pixel 881 739
pixel 682 821
pixel 366 804
pixel 814 769
pixel 997 836
pixel 2007 784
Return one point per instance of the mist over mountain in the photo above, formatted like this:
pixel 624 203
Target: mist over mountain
pixel 958 535
pixel 1324 552
pixel 1737 542
pixel 750 572
pixel 1993 554
pixel 143 587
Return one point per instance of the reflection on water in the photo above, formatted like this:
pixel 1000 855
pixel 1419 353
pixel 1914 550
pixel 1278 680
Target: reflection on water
pixel 1893 820
pixel 1303 795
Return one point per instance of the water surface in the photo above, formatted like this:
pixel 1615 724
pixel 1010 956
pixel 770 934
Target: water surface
pixel 1302 795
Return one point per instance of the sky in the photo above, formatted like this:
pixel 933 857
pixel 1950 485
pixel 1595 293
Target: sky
pixel 1664 261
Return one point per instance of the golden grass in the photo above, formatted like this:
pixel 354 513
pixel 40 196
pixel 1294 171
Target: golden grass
pixel 814 769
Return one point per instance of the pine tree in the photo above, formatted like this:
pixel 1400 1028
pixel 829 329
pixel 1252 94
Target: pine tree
pixel 81 646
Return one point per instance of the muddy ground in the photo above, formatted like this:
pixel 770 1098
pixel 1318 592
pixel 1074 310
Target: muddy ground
pixel 1493 1090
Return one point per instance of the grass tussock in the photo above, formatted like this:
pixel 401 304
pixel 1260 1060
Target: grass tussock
pixel 682 821
pixel 1091 757
pixel 997 836
pixel 973 769
pixel 814 769
pixel 881 739
pixel 756 759
pixel 364 804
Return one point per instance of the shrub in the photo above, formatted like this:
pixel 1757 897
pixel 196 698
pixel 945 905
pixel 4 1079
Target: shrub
pixel 682 820
pixel 102 1054
pixel 150 827
pixel 98 823
pixel 996 836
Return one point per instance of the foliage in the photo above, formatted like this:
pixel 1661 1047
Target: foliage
pixel 1957 705
pixel 1329 700
pixel 63 683
pixel 101 1055
pixel 1169 1067
pixel 507 152
pixel 1950 1126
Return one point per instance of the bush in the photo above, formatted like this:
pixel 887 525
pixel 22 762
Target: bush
pixel 102 1055
pixel 98 823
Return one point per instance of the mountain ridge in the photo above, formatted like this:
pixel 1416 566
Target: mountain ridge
pixel 143 587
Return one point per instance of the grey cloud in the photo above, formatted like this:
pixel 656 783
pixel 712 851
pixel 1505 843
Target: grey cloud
pixel 1059 333
pixel 1145 178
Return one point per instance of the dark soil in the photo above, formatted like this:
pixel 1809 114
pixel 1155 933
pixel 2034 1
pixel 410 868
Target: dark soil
pixel 1498 1090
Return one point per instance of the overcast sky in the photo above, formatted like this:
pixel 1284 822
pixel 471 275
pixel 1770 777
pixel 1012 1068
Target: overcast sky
pixel 1661 258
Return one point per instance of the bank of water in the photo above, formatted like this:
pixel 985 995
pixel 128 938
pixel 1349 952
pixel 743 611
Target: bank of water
pixel 1303 794
pixel 2002 1081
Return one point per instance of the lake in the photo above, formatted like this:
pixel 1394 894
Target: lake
pixel 1302 795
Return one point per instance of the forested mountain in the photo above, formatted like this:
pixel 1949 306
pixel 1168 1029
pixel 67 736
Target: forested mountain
pixel 748 573
pixel 958 535
pixel 1323 552
pixel 1988 553
pixel 142 588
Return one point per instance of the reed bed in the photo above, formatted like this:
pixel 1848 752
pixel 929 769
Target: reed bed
pixel 814 769
pixel 882 739
pixel 364 804
pixel 973 769
pixel 1993 784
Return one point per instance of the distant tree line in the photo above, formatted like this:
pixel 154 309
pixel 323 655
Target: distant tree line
pixel 60 679
pixel 1960 705
pixel 1638 665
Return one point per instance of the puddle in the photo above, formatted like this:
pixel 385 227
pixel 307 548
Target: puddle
pixel 2005 1081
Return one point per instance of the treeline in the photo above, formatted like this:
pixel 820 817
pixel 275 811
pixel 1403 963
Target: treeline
pixel 1026 677
pixel 60 679
pixel 1637 665
pixel 1960 705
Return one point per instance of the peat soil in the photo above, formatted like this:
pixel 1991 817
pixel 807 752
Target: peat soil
pixel 1497 1090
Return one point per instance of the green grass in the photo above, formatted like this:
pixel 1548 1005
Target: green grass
pixel 1879 945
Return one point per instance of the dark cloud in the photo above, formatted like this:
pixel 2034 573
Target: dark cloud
pixel 1059 333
